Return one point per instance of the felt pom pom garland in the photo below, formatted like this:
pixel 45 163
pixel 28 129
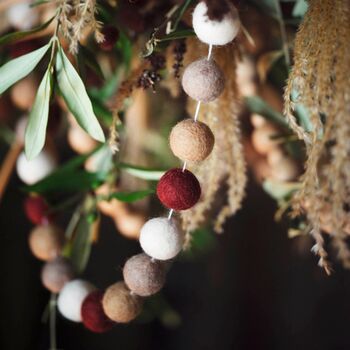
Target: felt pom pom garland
pixel 178 189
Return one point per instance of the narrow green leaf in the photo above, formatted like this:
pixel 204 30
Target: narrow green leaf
pixel 81 246
pixel 36 128
pixel 129 197
pixel 179 34
pixel 280 190
pixel 300 8
pixel 74 93
pixel 142 173
pixel 87 57
pixel 180 12
pixel 20 67
pixel 256 104
pixel 68 181
pixel 15 36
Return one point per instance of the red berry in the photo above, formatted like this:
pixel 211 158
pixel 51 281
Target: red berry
pixel 111 35
pixel 178 189
pixel 93 316
pixel 36 210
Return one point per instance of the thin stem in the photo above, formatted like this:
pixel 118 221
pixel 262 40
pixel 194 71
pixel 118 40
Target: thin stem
pixel 171 211
pixel 196 114
pixel 284 38
pixel 53 341
pixel 210 50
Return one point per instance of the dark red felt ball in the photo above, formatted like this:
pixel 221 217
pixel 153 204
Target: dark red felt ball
pixel 178 189
pixel 93 316
pixel 36 210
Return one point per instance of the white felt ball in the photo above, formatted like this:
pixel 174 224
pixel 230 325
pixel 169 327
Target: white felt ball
pixel 214 32
pixel 31 171
pixel 71 298
pixel 22 16
pixel 161 238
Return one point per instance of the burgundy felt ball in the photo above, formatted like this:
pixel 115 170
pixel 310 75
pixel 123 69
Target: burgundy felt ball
pixel 178 189
pixel 93 316
pixel 36 210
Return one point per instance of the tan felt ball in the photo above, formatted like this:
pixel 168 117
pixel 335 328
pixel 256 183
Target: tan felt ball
pixel 56 273
pixel 24 92
pixel 46 241
pixel 143 276
pixel 120 305
pixel 203 80
pixel 191 141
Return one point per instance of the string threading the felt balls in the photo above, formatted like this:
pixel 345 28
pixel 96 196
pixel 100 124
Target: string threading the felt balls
pixel 195 118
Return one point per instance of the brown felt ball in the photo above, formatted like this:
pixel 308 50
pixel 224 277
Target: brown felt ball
pixel 203 80
pixel 46 241
pixel 120 305
pixel 56 273
pixel 143 276
pixel 191 141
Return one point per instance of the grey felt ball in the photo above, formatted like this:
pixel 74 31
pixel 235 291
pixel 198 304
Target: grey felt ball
pixel 56 273
pixel 144 276
pixel 203 80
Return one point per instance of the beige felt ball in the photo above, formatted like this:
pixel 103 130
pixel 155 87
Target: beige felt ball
pixel 80 141
pixel 286 169
pixel 129 223
pixel 120 305
pixel 24 92
pixel 46 241
pixel 203 80
pixel 56 273
pixel 191 141
pixel 263 139
pixel 143 275
pixel 275 156
pixel 257 120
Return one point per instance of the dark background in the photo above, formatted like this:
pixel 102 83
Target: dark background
pixel 256 290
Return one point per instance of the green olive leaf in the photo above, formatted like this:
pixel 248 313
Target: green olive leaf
pixel 16 36
pixel 37 123
pixel 142 173
pixel 74 93
pixel 20 67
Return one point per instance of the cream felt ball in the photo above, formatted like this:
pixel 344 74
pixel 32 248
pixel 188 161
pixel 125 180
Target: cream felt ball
pixel 203 80
pixel 191 141
pixel 213 31
pixel 31 171
pixel 71 298
pixel 161 238
pixel 143 275
pixel 120 305
pixel 22 16
pixel 56 273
